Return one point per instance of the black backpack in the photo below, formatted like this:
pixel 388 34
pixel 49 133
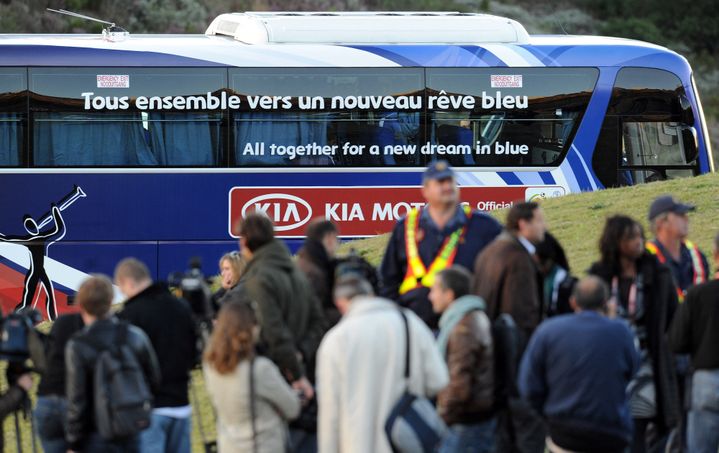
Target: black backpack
pixel 505 335
pixel 353 263
pixel 123 401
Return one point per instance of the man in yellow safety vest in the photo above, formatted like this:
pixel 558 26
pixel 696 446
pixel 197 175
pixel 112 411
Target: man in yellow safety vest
pixel 441 233
pixel 670 224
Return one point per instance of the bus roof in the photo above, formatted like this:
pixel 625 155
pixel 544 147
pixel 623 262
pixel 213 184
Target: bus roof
pixel 368 28
pixel 219 51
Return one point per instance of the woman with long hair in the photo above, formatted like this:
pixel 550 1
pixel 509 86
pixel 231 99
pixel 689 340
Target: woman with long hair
pixel 643 294
pixel 557 279
pixel 252 400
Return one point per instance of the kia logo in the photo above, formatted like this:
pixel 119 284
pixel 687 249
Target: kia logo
pixel 287 212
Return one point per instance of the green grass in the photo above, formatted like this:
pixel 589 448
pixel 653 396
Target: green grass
pixel 577 220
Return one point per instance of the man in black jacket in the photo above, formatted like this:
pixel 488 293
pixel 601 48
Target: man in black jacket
pixel 51 405
pixel 94 299
pixel 695 330
pixel 316 259
pixel 168 323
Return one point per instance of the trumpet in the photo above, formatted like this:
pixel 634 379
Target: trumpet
pixel 75 194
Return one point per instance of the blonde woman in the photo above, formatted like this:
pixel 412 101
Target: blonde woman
pixel 232 266
pixel 252 400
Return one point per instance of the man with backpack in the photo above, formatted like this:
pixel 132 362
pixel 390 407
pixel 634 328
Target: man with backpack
pixel 111 373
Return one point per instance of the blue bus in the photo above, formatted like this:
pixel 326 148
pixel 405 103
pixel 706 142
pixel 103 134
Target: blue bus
pixel 155 145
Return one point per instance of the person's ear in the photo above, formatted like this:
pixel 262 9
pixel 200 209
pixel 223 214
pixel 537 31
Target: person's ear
pixel 573 304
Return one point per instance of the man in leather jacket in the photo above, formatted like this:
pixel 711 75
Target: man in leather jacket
pixel 465 341
pixel 94 299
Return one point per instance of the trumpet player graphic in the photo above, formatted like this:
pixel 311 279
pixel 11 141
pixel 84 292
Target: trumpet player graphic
pixel 37 242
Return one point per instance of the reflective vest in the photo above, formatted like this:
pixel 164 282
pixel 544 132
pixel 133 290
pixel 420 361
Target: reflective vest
pixel 417 274
pixel 700 273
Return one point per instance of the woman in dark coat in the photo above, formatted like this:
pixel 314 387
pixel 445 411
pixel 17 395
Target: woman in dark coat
pixel 643 294
pixel 232 266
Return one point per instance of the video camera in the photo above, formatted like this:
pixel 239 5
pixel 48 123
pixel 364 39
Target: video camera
pixel 353 263
pixel 20 342
pixel 193 287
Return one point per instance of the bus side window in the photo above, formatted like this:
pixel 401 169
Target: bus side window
pixel 67 139
pixel 13 86
pixel 645 136
pixel 10 139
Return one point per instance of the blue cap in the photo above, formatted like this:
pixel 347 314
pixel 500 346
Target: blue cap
pixel 439 170
pixel 667 203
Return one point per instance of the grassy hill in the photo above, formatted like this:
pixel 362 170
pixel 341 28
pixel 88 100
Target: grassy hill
pixel 577 220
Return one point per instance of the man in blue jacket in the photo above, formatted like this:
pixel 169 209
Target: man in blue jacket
pixel 575 372
pixel 428 240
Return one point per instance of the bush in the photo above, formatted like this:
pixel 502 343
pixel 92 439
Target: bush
pixel 634 28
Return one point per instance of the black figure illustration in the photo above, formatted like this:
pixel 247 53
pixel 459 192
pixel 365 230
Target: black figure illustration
pixel 37 243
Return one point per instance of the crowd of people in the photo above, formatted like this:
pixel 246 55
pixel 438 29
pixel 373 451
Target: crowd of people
pixel 484 320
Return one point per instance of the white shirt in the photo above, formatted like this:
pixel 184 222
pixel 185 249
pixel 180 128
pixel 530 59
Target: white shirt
pixel 527 245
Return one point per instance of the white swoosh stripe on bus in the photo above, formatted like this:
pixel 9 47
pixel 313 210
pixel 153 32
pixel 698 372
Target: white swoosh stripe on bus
pixel 528 56
pixel 530 178
pixel 564 175
pixel 510 57
pixel 317 55
pixel 58 272
pixel 586 169
pixel 331 55
pixel 490 178
pixel 469 179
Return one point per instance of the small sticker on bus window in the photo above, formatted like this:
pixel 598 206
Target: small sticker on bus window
pixel 113 81
pixel 506 81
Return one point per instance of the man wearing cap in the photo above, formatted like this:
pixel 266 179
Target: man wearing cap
pixel 670 224
pixel 441 233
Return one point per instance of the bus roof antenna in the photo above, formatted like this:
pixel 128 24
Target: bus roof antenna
pixel 110 32
pixel 561 26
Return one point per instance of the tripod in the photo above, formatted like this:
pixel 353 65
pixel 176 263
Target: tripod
pixel 26 410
